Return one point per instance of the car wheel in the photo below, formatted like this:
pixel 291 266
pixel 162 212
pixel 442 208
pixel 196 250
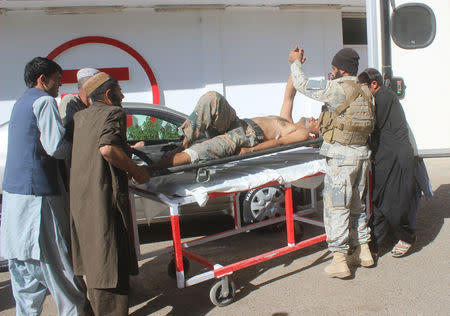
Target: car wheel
pixel 263 203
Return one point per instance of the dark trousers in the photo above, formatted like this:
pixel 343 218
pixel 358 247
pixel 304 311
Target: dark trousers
pixel 112 302
pixel 394 190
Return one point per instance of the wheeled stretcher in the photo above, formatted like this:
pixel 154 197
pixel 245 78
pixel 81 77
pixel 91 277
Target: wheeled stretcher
pixel 301 167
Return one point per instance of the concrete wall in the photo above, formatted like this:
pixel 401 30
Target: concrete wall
pixel 240 52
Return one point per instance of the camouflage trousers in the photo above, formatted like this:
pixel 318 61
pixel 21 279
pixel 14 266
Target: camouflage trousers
pixel 344 207
pixel 215 119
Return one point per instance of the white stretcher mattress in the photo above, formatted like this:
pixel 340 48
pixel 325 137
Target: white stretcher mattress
pixel 288 166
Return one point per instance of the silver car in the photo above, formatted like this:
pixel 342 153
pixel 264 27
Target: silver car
pixel 158 126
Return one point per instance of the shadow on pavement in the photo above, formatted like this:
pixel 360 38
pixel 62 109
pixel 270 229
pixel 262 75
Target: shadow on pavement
pixel 430 219
pixel 194 227
pixel 7 299
pixel 431 216
pixel 157 291
pixel 154 288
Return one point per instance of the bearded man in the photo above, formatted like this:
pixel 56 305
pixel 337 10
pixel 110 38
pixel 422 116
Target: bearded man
pixel 102 230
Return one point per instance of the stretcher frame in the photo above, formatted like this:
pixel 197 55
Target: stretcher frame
pixel 222 293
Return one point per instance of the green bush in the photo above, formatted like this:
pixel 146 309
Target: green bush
pixel 153 131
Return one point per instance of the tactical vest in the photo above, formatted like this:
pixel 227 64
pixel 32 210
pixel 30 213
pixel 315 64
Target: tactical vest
pixel 351 122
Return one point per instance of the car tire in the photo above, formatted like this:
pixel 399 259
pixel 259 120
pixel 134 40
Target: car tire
pixel 261 204
pixel 274 204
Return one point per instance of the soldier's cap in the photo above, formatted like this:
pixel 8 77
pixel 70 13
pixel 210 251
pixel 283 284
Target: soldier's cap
pixel 95 81
pixel 86 72
pixel 346 59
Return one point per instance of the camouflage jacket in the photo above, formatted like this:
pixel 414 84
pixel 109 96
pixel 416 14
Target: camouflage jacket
pixel 332 94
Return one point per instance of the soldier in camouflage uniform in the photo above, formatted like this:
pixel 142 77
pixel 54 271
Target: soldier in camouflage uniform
pixel 347 161
pixel 214 131
pixel 214 117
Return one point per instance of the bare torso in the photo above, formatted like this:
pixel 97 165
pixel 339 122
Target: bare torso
pixel 276 126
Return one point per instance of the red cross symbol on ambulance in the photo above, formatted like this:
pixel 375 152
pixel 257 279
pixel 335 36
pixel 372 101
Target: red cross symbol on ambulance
pixel 120 73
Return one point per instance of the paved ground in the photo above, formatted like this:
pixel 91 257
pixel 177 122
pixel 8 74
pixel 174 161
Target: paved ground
pixel 295 284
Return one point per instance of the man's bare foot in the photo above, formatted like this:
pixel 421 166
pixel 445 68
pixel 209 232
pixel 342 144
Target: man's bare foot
pixel 138 144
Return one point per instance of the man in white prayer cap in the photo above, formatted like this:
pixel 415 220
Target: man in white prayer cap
pixel 71 104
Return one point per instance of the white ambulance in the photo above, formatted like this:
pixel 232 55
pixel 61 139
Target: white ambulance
pixel 170 52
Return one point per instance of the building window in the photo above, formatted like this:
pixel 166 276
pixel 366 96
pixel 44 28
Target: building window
pixel 413 26
pixel 354 29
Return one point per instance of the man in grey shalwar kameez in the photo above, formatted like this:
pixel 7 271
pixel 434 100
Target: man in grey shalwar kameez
pixel 35 219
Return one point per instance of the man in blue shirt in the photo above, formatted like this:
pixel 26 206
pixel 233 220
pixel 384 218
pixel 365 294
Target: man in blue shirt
pixel 35 219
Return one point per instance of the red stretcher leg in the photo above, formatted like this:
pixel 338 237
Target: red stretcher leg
pixel 176 237
pixel 289 215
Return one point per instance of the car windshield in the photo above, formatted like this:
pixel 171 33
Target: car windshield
pixel 147 127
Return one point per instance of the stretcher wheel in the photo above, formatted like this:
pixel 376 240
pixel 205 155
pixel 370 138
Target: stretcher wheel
pixel 218 298
pixel 171 267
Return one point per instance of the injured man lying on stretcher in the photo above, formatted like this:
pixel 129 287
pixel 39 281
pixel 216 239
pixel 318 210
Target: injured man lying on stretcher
pixel 213 118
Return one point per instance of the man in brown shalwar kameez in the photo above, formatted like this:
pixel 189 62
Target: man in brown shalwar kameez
pixel 102 231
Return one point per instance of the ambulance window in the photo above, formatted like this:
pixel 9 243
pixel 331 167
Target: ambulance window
pixel 354 29
pixel 413 26
pixel 147 128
